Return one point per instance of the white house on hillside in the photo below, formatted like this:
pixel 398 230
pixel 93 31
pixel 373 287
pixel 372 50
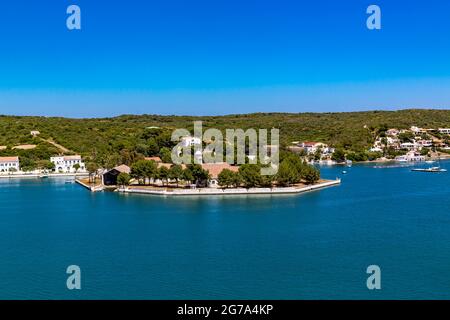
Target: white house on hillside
pixel 8 164
pixel 66 164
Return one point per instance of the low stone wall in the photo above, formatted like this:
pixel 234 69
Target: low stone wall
pixel 91 188
pixel 238 191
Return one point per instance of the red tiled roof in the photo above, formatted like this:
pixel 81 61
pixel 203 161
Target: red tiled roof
pixel 168 165
pixel 76 157
pixel 9 159
pixel 123 168
pixel 310 144
pixel 156 159
pixel 215 169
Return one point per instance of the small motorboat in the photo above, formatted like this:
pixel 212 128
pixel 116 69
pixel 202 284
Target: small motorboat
pixel 432 169
pixel 344 172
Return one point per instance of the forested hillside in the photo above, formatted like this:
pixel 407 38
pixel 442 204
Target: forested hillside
pixel 115 139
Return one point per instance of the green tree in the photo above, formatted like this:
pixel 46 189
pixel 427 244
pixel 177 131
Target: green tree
pixel 76 166
pixel 163 174
pixel 251 175
pixel 138 171
pixel 153 147
pixel 287 174
pixel 176 173
pixel 45 165
pixel 200 176
pixel 165 155
pixel 311 175
pixel 187 175
pixel 338 155
pixel 92 168
pixel 143 169
pixel 123 179
pixel 236 180
pixel 225 178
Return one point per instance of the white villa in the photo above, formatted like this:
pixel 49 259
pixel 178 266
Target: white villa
pixel 444 130
pixel 410 156
pixel 66 164
pixel 313 147
pixel 8 164
pixel 408 146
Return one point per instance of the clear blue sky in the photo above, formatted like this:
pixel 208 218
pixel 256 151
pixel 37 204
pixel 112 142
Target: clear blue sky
pixel 222 56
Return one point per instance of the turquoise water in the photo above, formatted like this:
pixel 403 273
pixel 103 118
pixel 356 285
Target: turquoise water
pixel 316 245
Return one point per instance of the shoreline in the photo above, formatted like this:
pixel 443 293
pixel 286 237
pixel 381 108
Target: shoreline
pixel 441 157
pixel 38 175
pixel 230 192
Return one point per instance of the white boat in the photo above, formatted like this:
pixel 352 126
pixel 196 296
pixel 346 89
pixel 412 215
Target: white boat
pixel 432 169
pixel 430 161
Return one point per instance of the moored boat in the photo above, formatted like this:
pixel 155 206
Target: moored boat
pixel 433 169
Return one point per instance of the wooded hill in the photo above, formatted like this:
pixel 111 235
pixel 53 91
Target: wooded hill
pixel 130 135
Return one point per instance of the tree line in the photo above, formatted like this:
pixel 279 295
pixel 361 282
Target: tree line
pixel 292 170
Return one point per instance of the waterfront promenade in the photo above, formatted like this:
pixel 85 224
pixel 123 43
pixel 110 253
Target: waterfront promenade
pixel 229 192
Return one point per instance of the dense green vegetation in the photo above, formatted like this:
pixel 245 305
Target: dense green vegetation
pixel 146 171
pixel 128 138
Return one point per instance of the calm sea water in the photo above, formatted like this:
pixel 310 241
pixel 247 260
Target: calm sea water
pixel 316 245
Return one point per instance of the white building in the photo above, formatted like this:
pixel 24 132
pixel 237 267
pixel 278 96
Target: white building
pixel 9 164
pixel 410 156
pixel 425 143
pixel 312 147
pixel 444 130
pixel 376 149
pixel 408 146
pixel 392 132
pixel 35 133
pixel 190 141
pixel 66 164
pixel 416 129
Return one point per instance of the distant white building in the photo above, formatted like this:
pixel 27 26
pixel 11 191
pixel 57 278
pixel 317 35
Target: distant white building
pixel 9 164
pixel 410 157
pixel 416 129
pixel 35 133
pixel 312 147
pixel 408 146
pixel 66 164
pixel 425 143
pixel 190 141
pixel 392 132
pixel 376 149
pixel 444 130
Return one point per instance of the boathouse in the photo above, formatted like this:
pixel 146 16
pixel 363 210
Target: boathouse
pixel 110 177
